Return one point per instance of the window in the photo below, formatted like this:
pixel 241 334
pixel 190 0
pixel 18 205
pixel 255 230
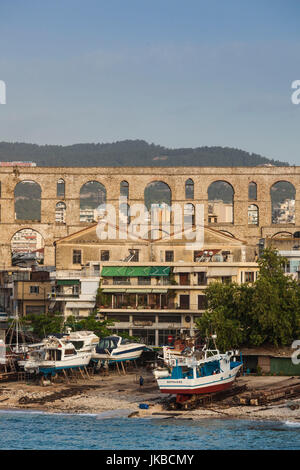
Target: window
pixel 96 268
pixel 252 191
pixel 60 188
pixel 202 302
pixel 184 279
pixel 104 255
pixel 165 335
pixel 249 276
pixel 189 189
pixel 34 289
pixel 184 302
pixel 252 214
pixel 135 255
pixel 226 279
pixel 76 256
pixel 35 309
pixel 202 279
pixel 124 190
pixel 169 318
pixel 60 213
pixel 169 256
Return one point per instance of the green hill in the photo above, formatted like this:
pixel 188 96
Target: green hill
pixel 130 153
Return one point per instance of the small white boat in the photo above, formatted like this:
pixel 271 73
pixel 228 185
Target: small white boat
pixel 83 342
pixel 59 354
pixel 116 349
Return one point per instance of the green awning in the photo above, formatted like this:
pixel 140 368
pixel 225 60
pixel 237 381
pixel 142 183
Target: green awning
pixel 160 271
pixel 67 282
pixel 109 271
pixel 135 271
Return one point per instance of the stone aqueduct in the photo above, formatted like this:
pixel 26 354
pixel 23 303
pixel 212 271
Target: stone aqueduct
pixel 138 178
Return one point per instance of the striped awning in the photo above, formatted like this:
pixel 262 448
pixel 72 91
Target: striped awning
pixel 135 271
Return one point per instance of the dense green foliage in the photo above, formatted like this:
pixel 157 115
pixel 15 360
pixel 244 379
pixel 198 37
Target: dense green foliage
pixel 45 324
pixel 52 323
pixel 129 153
pixel 90 323
pixel 267 312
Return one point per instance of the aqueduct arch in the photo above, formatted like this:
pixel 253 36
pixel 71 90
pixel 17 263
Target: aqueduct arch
pixel 60 188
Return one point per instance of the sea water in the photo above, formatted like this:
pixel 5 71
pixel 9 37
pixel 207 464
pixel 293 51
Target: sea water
pixel 38 430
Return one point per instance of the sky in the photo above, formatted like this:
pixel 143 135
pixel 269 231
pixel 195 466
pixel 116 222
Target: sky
pixel 178 73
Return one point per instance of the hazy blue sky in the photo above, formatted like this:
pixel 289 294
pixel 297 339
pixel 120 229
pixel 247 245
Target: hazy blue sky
pixel 173 72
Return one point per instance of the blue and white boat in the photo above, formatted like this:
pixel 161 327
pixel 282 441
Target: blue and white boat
pixel 114 348
pixel 188 375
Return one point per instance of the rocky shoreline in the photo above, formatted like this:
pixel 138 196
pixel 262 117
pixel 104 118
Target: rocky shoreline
pixel 123 394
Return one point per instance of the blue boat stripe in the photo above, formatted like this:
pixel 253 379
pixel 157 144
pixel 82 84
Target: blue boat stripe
pixel 128 351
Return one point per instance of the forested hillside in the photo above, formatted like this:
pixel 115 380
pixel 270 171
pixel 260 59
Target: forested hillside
pixel 129 153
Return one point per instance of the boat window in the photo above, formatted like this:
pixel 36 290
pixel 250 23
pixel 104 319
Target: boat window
pixel 104 343
pixel 125 341
pixel 78 344
pixel 69 352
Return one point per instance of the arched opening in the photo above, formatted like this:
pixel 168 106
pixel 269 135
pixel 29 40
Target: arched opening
pixel 157 193
pixel 60 188
pixel 283 195
pixel 27 248
pixel 92 195
pixel 220 203
pixel 189 189
pixel 60 213
pixel 158 200
pixel 28 201
pixel 253 215
pixel 189 215
pixel 124 190
pixel 297 235
pixel 252 191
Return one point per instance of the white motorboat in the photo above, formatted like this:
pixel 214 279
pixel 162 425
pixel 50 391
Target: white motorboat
pixel 82 343
pixel 59 354
pixel 114 348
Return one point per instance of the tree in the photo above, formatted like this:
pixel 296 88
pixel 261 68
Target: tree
pixel 90 323
pixel 267 312
pixel 275 309
pixel 43 325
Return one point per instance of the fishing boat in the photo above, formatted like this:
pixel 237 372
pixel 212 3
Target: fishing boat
pixel 194 373
pixel 114 348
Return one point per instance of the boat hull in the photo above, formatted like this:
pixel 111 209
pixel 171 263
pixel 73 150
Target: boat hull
pixel 120 356
pixel 202 385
